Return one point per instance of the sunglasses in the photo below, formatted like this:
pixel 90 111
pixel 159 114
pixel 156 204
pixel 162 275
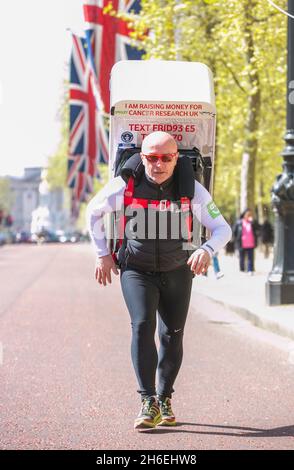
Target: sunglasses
pixel 165 157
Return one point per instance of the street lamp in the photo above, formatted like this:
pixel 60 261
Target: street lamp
pixel 280 282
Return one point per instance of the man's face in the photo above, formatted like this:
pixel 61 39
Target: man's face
pixel 159 156
pixel 159 167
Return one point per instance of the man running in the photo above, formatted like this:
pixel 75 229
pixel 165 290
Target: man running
pixel 156 267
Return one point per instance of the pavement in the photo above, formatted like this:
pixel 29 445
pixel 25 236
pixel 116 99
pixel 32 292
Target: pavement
pixel 245 294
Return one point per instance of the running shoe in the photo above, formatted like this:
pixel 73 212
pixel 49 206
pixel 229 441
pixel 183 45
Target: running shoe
pixel 167 416
pixel 149 414
pixel 219 275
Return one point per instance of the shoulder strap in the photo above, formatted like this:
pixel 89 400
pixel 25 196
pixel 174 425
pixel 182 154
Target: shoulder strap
pixel 184 173
pixel 132 167
pixel 185 179
pixel 186 208
pixel 128 196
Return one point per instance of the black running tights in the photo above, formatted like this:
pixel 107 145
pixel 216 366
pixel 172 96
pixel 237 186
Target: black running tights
pixel 169 294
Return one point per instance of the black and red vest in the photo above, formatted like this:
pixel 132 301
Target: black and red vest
pixel 156 220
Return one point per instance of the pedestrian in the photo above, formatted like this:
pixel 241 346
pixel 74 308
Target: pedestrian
pixel 266 236
pixel 156 269
pixel 216 267
pixel 246 235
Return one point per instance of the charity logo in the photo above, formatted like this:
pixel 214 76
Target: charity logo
pixel 213 210
pixel 127 137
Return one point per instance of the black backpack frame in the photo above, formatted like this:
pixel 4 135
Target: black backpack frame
pixel 202 166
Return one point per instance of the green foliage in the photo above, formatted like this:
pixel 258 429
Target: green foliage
pixel 57 164
pixel 244 43
pixel 6 197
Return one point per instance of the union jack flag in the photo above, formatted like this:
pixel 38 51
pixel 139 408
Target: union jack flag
pixel 106 41
pixel 112 39
pixel 82 161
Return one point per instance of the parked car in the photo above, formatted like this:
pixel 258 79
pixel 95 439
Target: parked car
pixel 51 237
pixel 85 237
pixel 22 237
pixel 45 236
pixel 69 237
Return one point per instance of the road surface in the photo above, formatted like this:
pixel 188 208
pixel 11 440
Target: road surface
pixel 66 376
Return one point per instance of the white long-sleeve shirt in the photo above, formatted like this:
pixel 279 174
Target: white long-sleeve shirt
pixel 111 198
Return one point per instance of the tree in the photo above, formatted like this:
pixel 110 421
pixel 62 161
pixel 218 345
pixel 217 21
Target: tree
pixel 244 43
pixel 57 163
pixel 6 197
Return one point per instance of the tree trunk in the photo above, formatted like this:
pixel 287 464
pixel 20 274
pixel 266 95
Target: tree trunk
pixel 247 196
pixel 260 206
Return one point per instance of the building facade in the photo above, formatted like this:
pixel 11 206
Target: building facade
pixel 31 193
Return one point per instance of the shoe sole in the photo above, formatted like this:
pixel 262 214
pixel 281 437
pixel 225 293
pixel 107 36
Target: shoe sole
pixel 144 424
pixel 167 422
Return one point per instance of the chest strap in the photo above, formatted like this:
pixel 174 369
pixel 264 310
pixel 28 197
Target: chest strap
pixel 161 205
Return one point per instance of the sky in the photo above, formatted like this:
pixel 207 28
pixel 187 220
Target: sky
pixel 34 55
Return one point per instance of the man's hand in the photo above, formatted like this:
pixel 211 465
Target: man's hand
pixel 103 268
pixel 199 261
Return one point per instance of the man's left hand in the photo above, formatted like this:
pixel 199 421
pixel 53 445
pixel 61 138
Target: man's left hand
pixel 199 261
